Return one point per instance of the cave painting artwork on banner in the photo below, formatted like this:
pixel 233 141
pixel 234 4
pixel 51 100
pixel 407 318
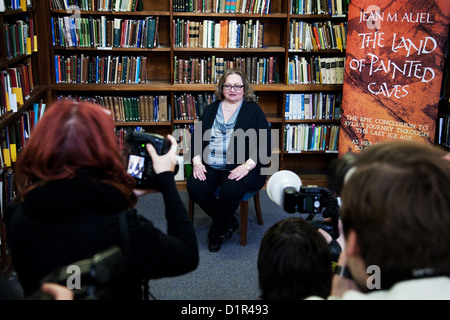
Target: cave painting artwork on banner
pixel 393 71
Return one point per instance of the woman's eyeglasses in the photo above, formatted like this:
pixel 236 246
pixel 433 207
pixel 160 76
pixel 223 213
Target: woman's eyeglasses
pixel 236 87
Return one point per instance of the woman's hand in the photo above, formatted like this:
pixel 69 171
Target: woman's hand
pixel 199 171
pixel 239 172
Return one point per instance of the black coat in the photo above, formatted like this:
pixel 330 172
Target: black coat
pixel 65 221
pixel 243 144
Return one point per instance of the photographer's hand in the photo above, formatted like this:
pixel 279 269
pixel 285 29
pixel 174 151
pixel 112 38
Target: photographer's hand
pixel 329 238
pixel 341 281
pixel 57 291
pixel 341 284
pixel 166 162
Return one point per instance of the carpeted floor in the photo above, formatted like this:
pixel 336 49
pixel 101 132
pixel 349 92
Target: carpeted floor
pixel 229 274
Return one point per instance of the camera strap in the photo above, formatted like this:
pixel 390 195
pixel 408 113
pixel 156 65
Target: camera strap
pixel 123 225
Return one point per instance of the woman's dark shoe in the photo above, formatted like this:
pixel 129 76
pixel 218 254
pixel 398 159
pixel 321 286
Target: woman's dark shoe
pixel 214 246
pixel 229 231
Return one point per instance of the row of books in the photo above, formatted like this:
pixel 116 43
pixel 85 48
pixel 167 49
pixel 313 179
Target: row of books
pixel 8 98
pixel 222 6
pixel 144 108
pixel 105 33
pixel 14 5
pixel 315 106
pixel 15 135
pixel 100 69
pixel 304 36
pixel 98 5
pixel 319 70
pixel 16 86
pixel 22 83
pixel 189 106
pixel 331 7
pixel 222 34
pixel 210 69
pixel 311 137
pixel 443 130
pixel 20 37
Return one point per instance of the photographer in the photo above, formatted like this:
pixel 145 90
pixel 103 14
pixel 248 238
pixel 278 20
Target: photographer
pixel 294 262
pixel 395 215
pixel 72 184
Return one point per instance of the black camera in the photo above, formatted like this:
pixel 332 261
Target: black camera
pixel 307 200
pixel 139 164
pixel 284 188
pixel 314 200
pixel 97 276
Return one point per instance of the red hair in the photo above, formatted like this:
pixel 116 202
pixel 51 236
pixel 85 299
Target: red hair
pixel 71 136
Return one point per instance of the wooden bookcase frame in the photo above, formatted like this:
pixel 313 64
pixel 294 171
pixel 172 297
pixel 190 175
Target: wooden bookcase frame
pixel 160 71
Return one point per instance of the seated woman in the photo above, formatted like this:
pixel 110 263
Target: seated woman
pixel 228 147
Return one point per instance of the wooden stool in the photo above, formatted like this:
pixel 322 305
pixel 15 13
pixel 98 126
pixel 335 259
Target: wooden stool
pixel 243 212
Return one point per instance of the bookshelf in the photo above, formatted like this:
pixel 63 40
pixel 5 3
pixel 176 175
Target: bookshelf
pixel 443 120
pixel 86 67
pixel 22 92
pixel 178 65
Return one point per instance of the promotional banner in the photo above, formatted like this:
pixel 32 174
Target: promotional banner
pixel 393 71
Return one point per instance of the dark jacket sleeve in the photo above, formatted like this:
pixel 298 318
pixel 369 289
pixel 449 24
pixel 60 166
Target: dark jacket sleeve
pixel 260 151
pixel 255 142
pixel 157 254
